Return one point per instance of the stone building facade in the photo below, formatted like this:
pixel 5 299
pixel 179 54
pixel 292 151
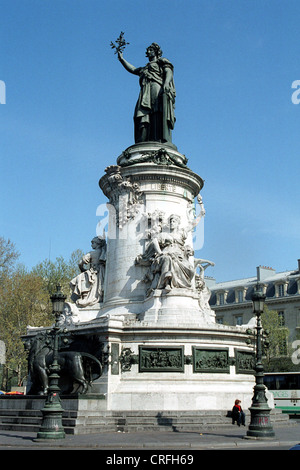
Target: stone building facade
pixel 231 300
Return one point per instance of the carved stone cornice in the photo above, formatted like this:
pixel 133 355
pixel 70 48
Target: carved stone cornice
pixel 164 176
pixel 122 193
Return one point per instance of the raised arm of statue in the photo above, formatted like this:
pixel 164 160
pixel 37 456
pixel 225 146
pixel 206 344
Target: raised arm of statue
pixel 130 68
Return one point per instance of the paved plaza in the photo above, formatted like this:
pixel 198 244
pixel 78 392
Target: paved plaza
pixel 219 438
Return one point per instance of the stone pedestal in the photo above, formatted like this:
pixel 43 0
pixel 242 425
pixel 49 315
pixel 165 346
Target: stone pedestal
pixel 161 347
pixel 158 366
pixel 166 352
pixel 144 190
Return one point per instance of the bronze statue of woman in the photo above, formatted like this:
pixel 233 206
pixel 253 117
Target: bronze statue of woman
pixel 154 117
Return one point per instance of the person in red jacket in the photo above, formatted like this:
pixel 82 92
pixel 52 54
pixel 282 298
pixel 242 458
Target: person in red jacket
pixel 237 413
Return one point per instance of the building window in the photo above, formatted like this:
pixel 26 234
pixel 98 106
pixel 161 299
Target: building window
pixel 280 290
pixel 239 320
pixel 240 296
pixel 220 320
pixel 221 299
pixel 281 318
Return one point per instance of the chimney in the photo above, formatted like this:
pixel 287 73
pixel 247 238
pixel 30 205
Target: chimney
pixel 263 272
pixel 209 281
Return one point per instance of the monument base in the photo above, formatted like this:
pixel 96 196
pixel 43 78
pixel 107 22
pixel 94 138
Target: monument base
pixel 154 332
pixel 163 367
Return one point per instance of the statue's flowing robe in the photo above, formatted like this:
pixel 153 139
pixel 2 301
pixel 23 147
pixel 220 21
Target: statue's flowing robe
pixel 154 107
pixel 88 285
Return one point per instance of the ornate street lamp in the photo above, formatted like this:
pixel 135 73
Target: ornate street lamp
pixel 260 424
pixel 51 427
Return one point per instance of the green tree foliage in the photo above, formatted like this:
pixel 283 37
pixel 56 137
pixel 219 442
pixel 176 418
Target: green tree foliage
pixel 8 256
pixel 60 271
pixel 25 301
pixel 276 353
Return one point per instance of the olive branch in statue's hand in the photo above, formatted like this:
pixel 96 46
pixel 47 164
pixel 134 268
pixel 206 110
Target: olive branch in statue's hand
pixel 121 44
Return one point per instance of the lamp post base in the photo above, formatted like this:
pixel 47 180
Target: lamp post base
pixel 260 426
pixel 51 427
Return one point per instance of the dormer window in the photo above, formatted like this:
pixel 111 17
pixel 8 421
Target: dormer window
pixel 240 294
pixel 221 297
pixel 281 289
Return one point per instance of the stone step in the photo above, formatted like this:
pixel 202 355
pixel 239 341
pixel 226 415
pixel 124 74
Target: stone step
pixel 26 415
pixel 32 420
pixel 30 428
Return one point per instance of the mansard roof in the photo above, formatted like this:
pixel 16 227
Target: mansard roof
pixel 265 276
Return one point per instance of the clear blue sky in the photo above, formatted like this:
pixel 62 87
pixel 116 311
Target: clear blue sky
pixel 69 107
